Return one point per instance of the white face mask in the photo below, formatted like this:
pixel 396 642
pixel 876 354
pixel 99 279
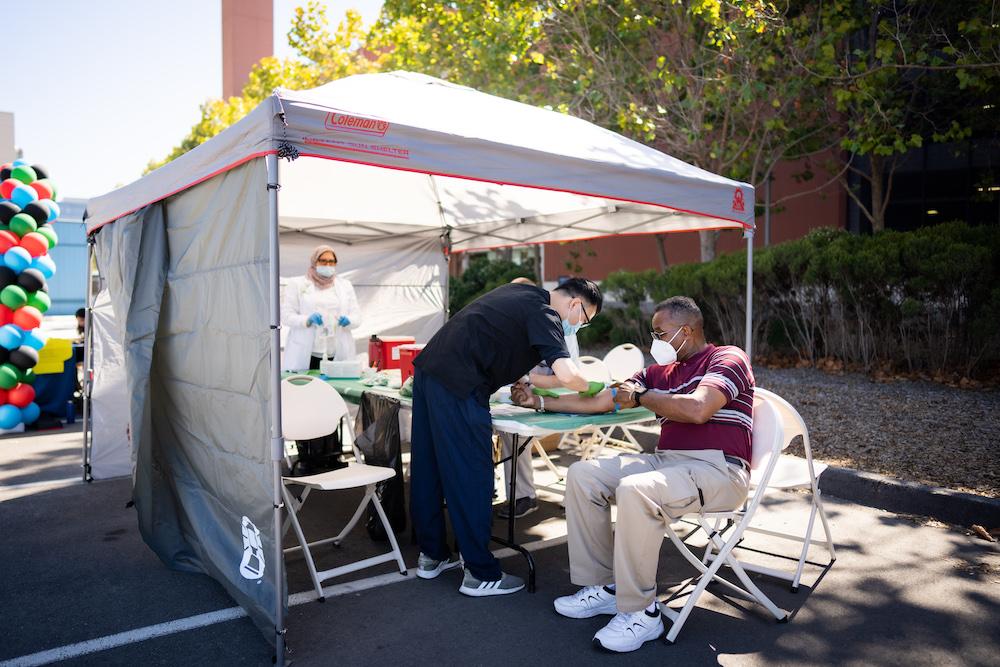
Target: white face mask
pixel 663 352
pixel 326 271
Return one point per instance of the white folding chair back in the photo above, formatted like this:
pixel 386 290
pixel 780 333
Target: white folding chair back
pixel 624 361
pixel 767 444
pixel 311 408
pixel 792 472
pixel 593 369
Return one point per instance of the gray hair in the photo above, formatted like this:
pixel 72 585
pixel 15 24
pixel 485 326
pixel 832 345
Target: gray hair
pixel 682 307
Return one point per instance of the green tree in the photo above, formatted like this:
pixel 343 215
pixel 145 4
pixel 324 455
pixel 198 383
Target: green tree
pixel 898 75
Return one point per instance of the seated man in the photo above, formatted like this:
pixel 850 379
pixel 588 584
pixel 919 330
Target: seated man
pixel 703 395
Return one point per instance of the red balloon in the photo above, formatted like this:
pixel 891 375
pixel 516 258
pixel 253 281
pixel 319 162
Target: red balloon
pixel 7 187
pixel 8 240
pixel 21 395
pixel 33 242
pixel 6 315
pixel 3 397
pixel 28 317
pixel 43 190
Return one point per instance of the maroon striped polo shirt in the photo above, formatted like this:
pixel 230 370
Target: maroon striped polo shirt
pixel 725 368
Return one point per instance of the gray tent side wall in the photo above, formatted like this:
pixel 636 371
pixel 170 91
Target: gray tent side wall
pixel 190 275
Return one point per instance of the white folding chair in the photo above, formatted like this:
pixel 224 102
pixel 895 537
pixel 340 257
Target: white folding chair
pixel 624 361
pixel 594 370
pixel 767 444
pixel 792 472
pixel 311 408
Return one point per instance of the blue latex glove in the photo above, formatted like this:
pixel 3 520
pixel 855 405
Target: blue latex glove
pixel 314 319
pixel 343 321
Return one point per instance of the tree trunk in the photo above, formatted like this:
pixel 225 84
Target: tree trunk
pixel 878 192
pixel 708 240
pixel 661 239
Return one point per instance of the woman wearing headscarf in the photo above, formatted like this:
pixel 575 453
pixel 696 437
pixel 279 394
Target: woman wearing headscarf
pixel 320 309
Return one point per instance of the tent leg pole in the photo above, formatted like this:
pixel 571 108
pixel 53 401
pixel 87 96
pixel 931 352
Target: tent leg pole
pixel 749 324
pixel 277 440
pixel 88 373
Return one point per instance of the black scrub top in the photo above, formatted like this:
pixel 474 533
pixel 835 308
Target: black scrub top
pixel 493 341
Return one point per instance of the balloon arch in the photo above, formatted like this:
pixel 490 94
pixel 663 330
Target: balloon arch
pixel 27 209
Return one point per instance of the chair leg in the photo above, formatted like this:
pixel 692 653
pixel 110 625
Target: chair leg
pixel 369 494
pixel 389 533
pixel 292 516
pixel 806 540
pixel 826 524
pixel 741 574
pixel 547 461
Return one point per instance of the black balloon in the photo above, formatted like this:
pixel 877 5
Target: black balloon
pixel 38 211
pixel 40 171
pixel 24 357
pixel 32 280
pixel 4 355
pixel 4 174
pixel 8 210
pixel 7 276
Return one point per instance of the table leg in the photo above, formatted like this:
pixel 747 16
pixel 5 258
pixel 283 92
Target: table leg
pixel 516 450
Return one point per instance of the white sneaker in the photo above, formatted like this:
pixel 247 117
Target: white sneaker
pixel 428 568
pixel 506 584
pixel 586 602
pixel 628 631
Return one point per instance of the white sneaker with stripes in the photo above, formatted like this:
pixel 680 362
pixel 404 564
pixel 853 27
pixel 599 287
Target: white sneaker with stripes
pixel 628 631
pixel 506 584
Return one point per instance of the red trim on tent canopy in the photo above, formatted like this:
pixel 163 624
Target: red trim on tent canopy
pixel 185 187
pixel 466 178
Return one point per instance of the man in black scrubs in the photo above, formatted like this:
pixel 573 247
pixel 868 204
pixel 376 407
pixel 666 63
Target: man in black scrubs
pixel 491 342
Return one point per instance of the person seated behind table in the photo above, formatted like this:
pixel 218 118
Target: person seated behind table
pixel 525 496
pixel 313 306
pixel 491 342
pixel 703 396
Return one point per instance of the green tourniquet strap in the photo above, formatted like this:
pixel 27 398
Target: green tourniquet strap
pixel 593 388
pixel 548 393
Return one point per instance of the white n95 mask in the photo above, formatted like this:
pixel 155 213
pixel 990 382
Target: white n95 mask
pixel 663 352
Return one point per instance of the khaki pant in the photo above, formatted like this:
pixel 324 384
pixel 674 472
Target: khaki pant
pixel 651 489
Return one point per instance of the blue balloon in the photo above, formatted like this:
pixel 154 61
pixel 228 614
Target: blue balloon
pixel 44 264
pixel 22 195
pixel 11 336
pixel 17 259
pixel 53 209
pixel 34 338
pixel 30 413
pixel 10 416
pixel 19 162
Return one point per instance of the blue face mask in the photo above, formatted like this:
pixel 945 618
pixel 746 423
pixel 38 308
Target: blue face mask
pixel 570 329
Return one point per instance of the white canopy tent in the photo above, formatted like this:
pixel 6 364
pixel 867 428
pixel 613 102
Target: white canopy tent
pixel 404 169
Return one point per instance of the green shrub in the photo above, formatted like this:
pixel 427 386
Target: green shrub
pixel 483 275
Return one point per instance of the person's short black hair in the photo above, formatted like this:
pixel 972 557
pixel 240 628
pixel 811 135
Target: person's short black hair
pixel 683 307
pixel 81 312
pixel 583 289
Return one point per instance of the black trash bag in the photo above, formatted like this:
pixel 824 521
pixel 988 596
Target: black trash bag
pixel 377 436
pixel 318 455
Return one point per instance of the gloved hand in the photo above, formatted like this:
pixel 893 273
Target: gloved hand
pixel 593 389
pixel 314 320
pixel 343 321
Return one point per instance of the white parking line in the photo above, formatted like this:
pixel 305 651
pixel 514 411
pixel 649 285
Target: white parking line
pixel 189 623
pixel 221 616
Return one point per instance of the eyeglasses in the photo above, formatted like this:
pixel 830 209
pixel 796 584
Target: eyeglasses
pixel 326 262
pixel 586 318
pixel 658 335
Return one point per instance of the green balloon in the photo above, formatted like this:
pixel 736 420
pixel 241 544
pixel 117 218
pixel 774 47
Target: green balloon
pixel 13 296
pixel 22 223
pixel 40 300
pixel 50 234
pixel 28 376
pixel 8 376
pixel 24 173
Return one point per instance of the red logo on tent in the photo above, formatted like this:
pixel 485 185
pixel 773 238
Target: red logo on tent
pixel 738 201
pixel 342 122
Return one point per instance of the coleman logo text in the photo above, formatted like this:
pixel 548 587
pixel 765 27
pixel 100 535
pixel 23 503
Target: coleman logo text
pixel 342 122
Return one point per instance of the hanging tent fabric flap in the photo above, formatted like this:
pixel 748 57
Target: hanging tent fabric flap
pixel 188 279
pixel 111 453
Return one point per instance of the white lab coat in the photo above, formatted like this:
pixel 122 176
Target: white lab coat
pixel 298 302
